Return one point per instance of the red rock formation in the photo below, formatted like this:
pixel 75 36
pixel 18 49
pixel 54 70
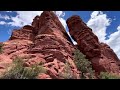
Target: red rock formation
pixel 5 62
pixel 101 55
pixel 25 33
pixel 46 42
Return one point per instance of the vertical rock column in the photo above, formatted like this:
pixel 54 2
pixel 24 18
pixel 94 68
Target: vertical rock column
pixel 54 44
pixel 101 55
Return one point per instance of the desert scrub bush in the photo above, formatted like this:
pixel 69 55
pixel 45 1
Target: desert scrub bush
pixel 1 48
pixel 106 75
pixel 83 65
pixel 18 71
pixel 67 74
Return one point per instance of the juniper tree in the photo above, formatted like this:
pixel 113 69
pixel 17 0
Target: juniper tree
pixel 83 64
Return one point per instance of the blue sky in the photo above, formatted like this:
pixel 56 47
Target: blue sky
pixel 105 24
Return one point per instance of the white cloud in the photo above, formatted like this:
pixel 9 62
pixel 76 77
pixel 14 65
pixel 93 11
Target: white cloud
pixel 9 31
pixel 114 41
pixel 26 17
pixel 17 22
pixel 2 22
pixel 96 13
pixel 4 17
pixel 9 11
pixel 60 15
pixel 63 22
pixel 74 42
pixel 99 23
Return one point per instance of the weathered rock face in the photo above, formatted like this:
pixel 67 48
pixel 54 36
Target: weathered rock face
pixel 46 42
pixel 87 41
pixel 25 33
pixel 101 55
pixel 48 23
pixel 5 62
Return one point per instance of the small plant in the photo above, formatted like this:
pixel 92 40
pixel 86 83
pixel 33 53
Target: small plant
pixel 67 74
pixel 83 64
pixel 20 72
pixel 1 49
pixel 106 75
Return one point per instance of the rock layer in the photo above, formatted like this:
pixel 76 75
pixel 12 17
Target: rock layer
pixel 101 55
pixel 46 42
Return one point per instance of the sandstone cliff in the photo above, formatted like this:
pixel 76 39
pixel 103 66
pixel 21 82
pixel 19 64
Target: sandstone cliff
pixel 101 55
pixel 46 42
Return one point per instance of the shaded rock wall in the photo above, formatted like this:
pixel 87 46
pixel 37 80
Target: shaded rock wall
pixel 101 55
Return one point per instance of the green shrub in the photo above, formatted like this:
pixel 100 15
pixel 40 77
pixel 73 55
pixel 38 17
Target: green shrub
pixel 83 64
pixel 67 74
pixel 20 72
pixel 106 75
pixel 1 49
